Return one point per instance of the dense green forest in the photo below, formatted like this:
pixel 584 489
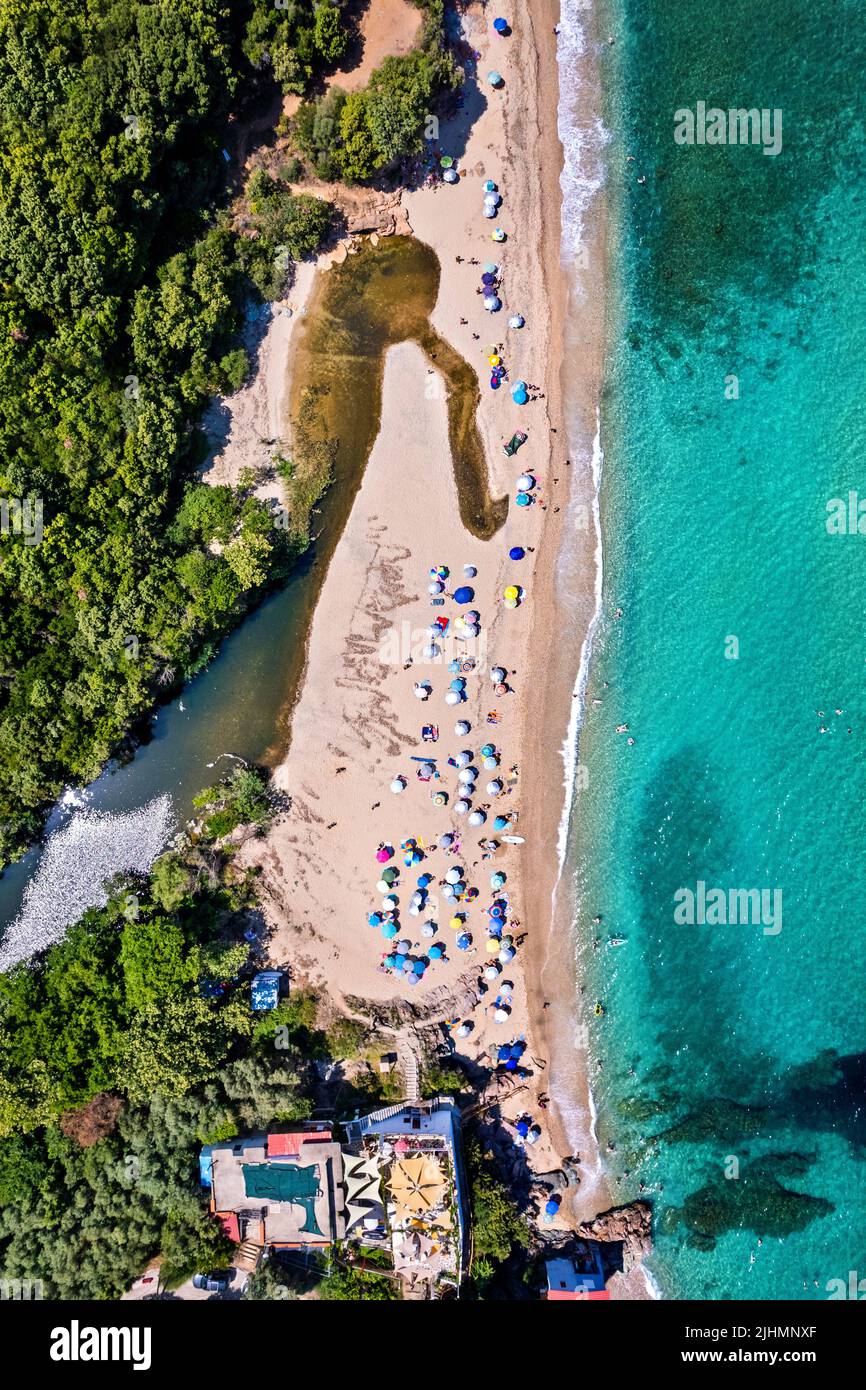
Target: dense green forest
pixel 122 290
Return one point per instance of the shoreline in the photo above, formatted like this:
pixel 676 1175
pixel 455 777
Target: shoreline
pixel 529 121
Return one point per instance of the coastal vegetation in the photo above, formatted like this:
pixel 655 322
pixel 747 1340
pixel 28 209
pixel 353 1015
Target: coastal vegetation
pixel 124 288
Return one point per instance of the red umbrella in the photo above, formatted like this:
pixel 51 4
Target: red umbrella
pixel 384 854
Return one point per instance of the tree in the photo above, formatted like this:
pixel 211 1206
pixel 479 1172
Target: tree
pixel 330 36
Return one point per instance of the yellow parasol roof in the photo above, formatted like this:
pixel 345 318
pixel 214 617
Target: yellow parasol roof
pixel 416 1184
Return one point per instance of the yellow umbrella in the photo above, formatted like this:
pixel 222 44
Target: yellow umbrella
pixel 512 591
pixel 492 946
pixel 456 923
pixel 493 360
pixel 511 603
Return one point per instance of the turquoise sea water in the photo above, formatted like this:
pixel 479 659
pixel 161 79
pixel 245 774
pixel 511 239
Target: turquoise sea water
pixel 727 1051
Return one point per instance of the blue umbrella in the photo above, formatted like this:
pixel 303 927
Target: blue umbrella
pixel 419 967
pixel 500 823
pixel 464 594
pixel 495 79
pixel 436 953
pixel 389 961
pixel 464 942
pixel 522 1128
pixel 516 552
pixel 501 26
pixel 503 1053
pixel 488 278
pixel 517 1049
pixel 511 1065
pixel 374 919
pixel 551 1208
pixel 400 961
pixel 425 880
pixel 522 499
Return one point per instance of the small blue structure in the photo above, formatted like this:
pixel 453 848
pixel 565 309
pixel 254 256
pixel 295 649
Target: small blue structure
pixel 266 989
pixel 205 1166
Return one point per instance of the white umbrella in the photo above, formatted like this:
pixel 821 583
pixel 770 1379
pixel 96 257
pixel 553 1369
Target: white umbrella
pixel 477 818
pixel 461 807
pixel 398 784
pixel 452 697
pixel 494 787
pixel 462 727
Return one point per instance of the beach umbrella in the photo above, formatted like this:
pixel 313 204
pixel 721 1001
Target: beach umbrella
pixel 464 594
pixel 431 651
pixel 497 234
pixel 495 78
pixel 551 1207
pixel 451 176
pixel 403 947
pixel 456 922
pixel 488 278
pixel 519 396
pixel 383 854
pixel 491 762
pixel 462 728
pixel 398 785
pixel 498 674
pixel 464 1030
pixel 453 876
pixel 382 886
pixel 375 919
pixel 466 776
pixel 487 749
pixel 495 383
pixel 492 200
pixel 511 592
pixel 470 571
pixel 501 26
pixel 448 890
pixel 463 759
pixel 494 787
pixel 453 697
pixel 389 931
pixel 518 1049
pixel 522 1128
pixel 507 954
pixel 436 587
pixel 446 840
pixel 414 856
pixel 458 683
pixel 390 875
pixel 478 818
pixel 439 571
pixel 428 930
pixel 500 1016
pixel 525 483
pixel 491 267
pixel 422 690
pixel 497 880
pixel 419 967
pixel 389 961
pixel 413 979
pixel 503 1052
pixel 489 187
pixel 491 972
pixel 446 161
pixel 440 799
pixel 500 823
pixel 390 902
pixel 461 807
pixel 492 946
pixel 424 880
pixel 436 952
pixel 418 899
pixel 464 941
pixel 489 209
pixel 516 552
pixel 516 321
pixel 492 303
pixel 523 499
pixel 427 769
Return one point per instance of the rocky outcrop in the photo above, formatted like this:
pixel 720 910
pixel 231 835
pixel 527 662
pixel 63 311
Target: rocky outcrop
pixel 629 1226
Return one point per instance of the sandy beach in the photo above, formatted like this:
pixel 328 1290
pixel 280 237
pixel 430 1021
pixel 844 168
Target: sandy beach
pixel 357 723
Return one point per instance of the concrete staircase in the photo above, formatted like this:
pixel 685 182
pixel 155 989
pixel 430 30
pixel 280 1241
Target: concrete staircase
pixel 248 1255
pixel 407 1060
